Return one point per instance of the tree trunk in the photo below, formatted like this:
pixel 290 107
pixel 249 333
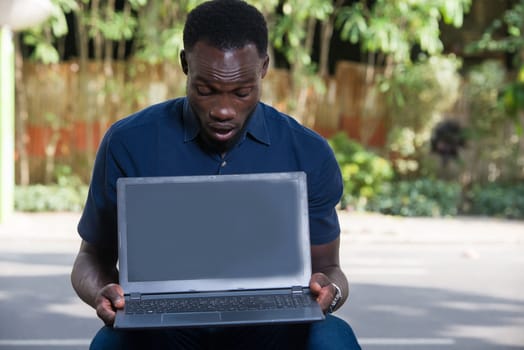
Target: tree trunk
pixel 326 34
pixel 21 116
pixel 121 51
pixel 82 110
pixel 50 153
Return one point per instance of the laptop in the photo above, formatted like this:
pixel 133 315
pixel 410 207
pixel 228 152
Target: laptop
pixel 217 250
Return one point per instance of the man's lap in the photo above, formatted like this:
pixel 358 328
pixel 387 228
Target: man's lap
pixel 332 333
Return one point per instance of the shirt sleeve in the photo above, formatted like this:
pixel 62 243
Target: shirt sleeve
pixel 324 191
pixel 98 223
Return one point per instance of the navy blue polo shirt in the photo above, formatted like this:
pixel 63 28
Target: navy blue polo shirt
pixel 161 140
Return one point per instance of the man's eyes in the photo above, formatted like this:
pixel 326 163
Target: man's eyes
pixel 243 92
pixel 204 91
pixel 207 91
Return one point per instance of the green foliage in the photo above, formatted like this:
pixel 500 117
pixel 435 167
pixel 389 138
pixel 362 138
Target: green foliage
pixel 492 133
pixel 116 26
pixel 43 37
pixel 422 197
pixel 417 92
pixel 417 95
pixel 513 99
pixel 38 198
pixel 499 200
pixel 290 29
pixel 292 33
pixel 67 194
pixel 512 21
pixel 363 172
pixel 482 91
pixel 159 33
pixel 393 28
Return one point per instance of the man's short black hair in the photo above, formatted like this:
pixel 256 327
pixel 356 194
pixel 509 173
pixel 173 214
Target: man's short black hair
pixel 226 24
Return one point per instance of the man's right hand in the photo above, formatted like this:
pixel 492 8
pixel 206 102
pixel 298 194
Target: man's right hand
pixel 108 300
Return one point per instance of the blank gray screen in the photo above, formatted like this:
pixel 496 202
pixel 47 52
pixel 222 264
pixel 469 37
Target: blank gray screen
pixel 222 229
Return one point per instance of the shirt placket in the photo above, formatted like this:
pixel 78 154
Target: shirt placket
pixel 222 164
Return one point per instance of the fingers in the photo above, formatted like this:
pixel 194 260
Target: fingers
pixel 109 299
pixel 321 286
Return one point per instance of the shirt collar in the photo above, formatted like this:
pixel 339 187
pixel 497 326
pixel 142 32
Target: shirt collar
pixel 256 125
pixel 191 125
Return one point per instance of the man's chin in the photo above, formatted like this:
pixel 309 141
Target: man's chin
pixel 220 145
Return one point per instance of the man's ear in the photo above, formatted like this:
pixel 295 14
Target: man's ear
pixel 265 67
pixel 183 62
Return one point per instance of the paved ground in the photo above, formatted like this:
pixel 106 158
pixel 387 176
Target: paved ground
pixel 435 283
pixel 416 283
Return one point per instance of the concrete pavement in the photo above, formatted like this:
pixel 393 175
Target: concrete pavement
pixel 424 283
pixel 419 283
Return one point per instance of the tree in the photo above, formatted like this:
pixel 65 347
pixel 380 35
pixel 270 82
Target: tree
pixel 45 40
pixel 147 32
pixel 293 33
pixel 151 31
pixel 401 39
pixel 498 128
pixel 389 30
pixel 511 41
pixel 101 33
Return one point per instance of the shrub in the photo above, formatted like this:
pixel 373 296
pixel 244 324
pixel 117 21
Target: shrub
pixel 38 198
pixel 363 172
pixel 417 96
pixel 422 197
pixel 494 139
pixel 499 200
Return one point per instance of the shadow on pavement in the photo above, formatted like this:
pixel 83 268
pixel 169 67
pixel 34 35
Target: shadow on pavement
pixel 471 321
pixel 38 302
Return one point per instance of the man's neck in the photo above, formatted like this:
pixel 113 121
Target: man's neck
pixel 216 148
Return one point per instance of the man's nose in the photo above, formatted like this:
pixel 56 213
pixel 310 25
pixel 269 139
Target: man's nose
pixel 223 108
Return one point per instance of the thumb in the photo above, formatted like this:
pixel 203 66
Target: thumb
pixel 119 302
pixel 115 294
pixel 315 286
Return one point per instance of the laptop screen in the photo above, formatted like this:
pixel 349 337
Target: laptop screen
pixel 213 232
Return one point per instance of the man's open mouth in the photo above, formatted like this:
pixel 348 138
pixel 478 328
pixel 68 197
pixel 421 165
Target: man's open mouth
pixel 222 133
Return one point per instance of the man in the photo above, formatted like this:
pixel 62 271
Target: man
pixel 221 127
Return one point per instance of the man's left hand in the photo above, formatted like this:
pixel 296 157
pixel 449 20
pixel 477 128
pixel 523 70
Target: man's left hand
pixel 321 286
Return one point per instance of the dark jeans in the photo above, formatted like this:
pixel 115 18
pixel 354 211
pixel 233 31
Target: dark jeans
pixel 332 333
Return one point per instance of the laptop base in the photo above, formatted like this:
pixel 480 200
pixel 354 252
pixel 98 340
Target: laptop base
pixel 216 319
pixel 217 309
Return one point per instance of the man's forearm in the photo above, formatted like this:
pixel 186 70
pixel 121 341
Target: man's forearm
pixel 337 276
pixel 325 260
pixel 89 275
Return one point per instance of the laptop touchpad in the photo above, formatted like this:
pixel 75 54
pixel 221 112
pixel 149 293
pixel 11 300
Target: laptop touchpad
pixel 196 317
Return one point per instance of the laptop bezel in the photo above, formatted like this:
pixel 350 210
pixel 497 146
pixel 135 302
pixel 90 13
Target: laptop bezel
pixel 208 285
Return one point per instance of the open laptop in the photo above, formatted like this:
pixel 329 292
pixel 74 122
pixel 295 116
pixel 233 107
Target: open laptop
pixel 214 250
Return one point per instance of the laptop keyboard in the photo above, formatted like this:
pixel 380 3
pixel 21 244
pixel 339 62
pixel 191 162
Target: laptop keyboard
pixel 222 303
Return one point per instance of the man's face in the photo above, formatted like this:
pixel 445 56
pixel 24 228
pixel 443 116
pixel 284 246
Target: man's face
pixel 223 88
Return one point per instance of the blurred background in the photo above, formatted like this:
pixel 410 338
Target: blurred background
pixel 422 101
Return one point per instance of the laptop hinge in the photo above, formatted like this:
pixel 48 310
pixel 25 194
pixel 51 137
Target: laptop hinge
pixel 134 296
pixel 296 290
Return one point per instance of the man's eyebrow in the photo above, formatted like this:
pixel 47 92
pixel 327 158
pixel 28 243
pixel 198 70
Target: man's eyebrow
pixel 246 83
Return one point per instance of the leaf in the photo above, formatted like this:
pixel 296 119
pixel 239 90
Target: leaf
pixel 59 23
pixel 46 53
